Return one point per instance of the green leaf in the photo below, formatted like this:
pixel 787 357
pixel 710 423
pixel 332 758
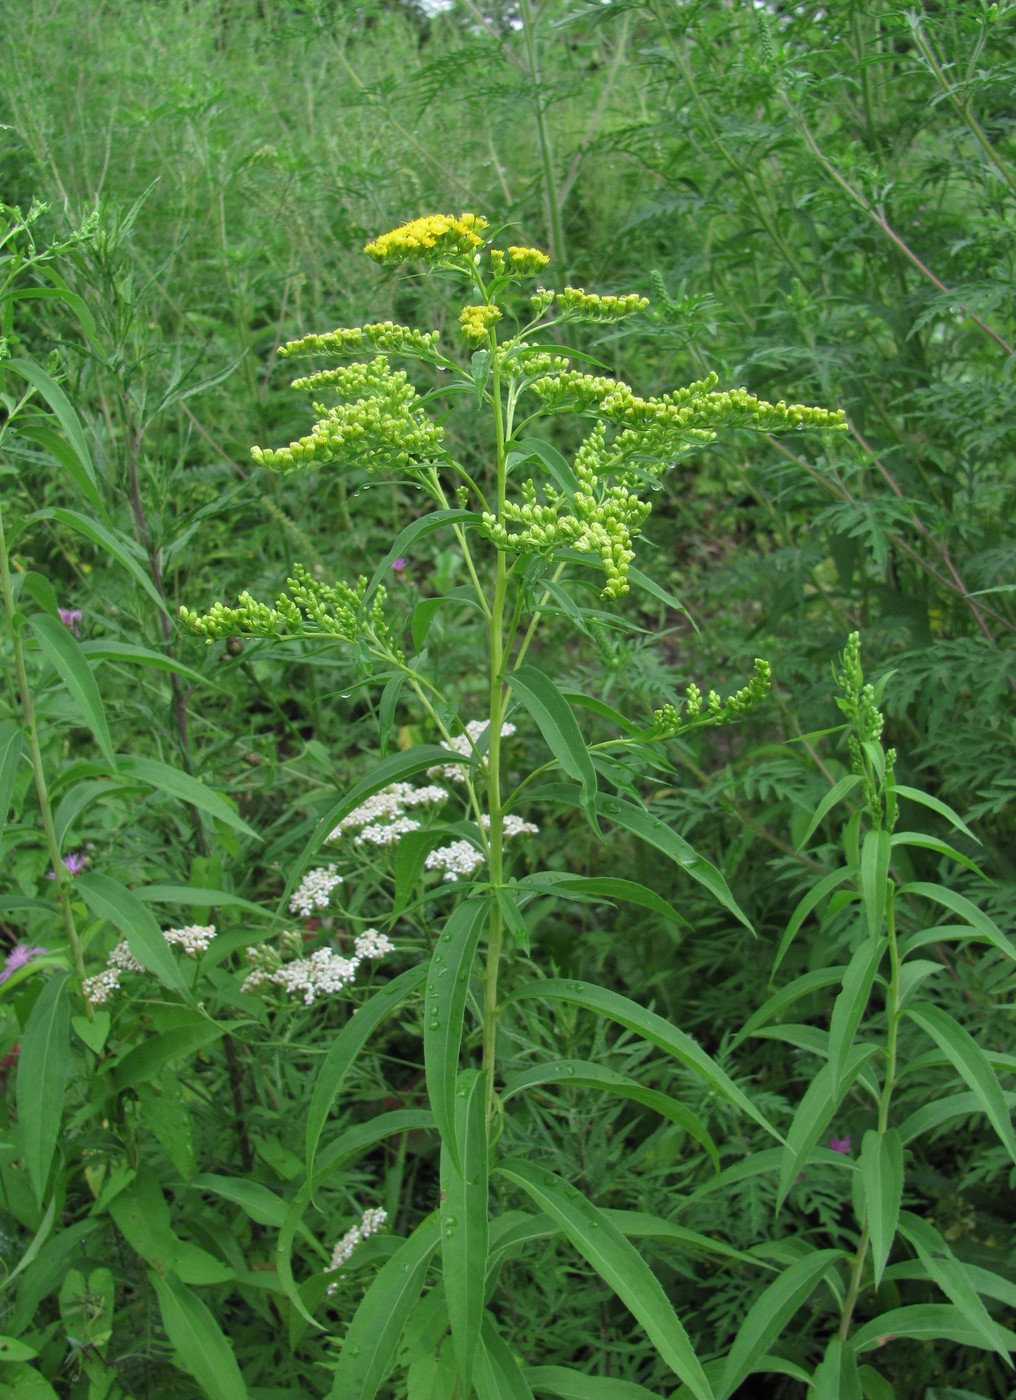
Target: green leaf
pixel 882 1183
pixel 61 451
pixel 444 1010
pixel 925 1322
pixel 976 918
pixel 837 1376
pixel 583 1074
pixel 933 1115
pixel 576 1385
pixel 372 1337
pixel 498 1375
pixel 933 804
pixel 415 530
pixel 346 1046
pixel 640 580
pixel 386 710
pixel 814 1112
pixel 142 1216
pixel 809 901
pixel 851 1004
pixel 970 1062
pixel 66 657
pixel 617 1262
pixel 559 727
pixel 836 794
pixel 193 791
pixel 875 855
pixel 132 655
pixel 10 757
pixel 108 899
pixel 464 1239
pixel 942 1266
pixel 145 1059
pixel 658 834
pixel 557 466
pixel 658 1031
pixel 110 541
pixel 64 412
pixel 770 1313
pixel 802 986
pixel 43 1067
pixel 202 1349
pixel 931 843
pixel 595 887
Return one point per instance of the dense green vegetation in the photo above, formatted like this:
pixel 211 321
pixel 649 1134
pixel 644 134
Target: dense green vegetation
pixel 819 204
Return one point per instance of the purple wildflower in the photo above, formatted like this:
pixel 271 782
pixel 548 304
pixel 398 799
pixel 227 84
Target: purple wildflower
pixel 71 619
pixel 397 565
pixel 840 1144
pixel 19 955
pixel 74 862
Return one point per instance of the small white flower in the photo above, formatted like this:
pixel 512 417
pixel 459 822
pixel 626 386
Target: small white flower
pixel 378 835
pixel 386 807
pixel 314 891
pixel 100 988
pixel 121 957
pixel 464 744
pixel 322 973
pixel 371 944
pixel 193 939
pixel 459 859
pixel 371 1222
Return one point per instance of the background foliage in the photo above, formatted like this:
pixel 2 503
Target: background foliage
pixel 820 203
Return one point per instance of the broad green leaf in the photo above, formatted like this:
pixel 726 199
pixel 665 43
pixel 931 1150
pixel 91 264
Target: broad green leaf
pixel 837 1376
pixel 770 1313
pixel 346 1046
pixel 586 1075
pixel 464 1231
pixel 971 1064
pixel 814 1113
pixel 942 1266
pixel 122 549
pixel 63 410
pixel 145 1059
pixel 925 1322
pixel 202 1348
pixel 875 853
pixel 61 451
pixel 882 1183
pixel 664 838
pixel 174 783
pixel 651 1027
pixel 555 721
pixel 962 906
pixel 108 899
pixel 497 1374
pixel 836 794
pixel 576 1385
pixel 809 901
pixel 66 657
pixel 43 1067
pixel 10 756
pixel 423 613
pixel 371 1342
pixel 851 1004
pixel 444 1011
pixel 597 887
pixel 802 986
pixel 617 1262
pixel 142 1216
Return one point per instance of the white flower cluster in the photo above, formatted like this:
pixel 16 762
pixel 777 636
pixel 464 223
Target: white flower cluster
pixel 461 858
pixel 320 974
pixel 465 744
pixel 369 1225
pixel 381 820
pixel 314 891
pixel 193 939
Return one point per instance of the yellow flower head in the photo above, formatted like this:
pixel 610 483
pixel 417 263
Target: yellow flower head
pixel 527 260
pixel 435 238
pixel 476 322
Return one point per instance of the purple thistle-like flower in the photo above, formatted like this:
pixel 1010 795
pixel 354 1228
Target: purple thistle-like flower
pixel 75 862
pixel 71 619
pixel 397 565
pixel 840 1144
pixel 19 955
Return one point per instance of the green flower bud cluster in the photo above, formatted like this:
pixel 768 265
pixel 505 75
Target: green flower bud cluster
pixel 572 391
pixel 574 304
pixel 521 361
pixel 310 608
pixel 599 518
pixel 669 721
pixel 698 410
pixel 382 429
pixel 859 702
pixel 379 335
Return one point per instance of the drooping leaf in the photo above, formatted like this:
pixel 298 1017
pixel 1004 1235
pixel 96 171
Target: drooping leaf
pixel 970 1062
pixel 202 1348
pixel 66 657
pixel 43 1066
pixel 108 899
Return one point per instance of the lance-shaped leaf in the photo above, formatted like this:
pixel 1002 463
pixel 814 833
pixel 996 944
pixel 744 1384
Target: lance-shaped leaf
pixel 497 1375
pixel 173 782
pixel 444 1011
pixel 42 1076
pixel 882 1180
pixel 951 1276
pixel 10 756
pixel 464 1193
pixel 576 1385
pixel 971 1063
pixel 850 1005
pixel 201 1346
pixel 875 854
pixel 618 1263
pixel 557 724
pixel 108 899
pixel 66 657
pixel 371 1342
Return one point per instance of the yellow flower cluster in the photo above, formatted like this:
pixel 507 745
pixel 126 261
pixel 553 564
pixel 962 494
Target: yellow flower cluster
pixel 477 321
pixel 527 261
pixel 434 238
